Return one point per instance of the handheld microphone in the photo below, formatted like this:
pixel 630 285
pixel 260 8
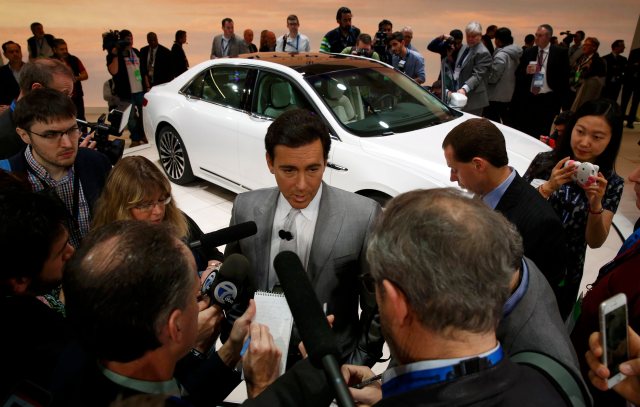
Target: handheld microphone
pixel 226 235
pixel 311 322
pixel 230 284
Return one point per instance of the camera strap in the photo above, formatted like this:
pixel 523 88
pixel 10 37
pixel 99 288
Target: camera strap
pixel 76 193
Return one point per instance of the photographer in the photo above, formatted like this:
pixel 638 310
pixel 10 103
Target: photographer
pixel 362 48
pixel 123 63
pixel 405 60
pixel 381 43
pixel 447 45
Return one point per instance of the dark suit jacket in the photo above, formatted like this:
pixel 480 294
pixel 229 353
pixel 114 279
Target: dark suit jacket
pixel 10 143
pixel 162 68
pixel 33 49
pixel 179 61
pixel 539 226
pixel 336 261
pixel 474 73
pixel 237 46
pixel 9 88
pixel 557 70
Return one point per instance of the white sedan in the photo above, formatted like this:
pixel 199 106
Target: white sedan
pixel 386 131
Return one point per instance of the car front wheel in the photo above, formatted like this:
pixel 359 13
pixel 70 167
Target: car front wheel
pixel 173 156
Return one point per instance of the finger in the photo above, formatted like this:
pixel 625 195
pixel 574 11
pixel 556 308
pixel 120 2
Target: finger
pixel 330 319
pixel 595 344
pixel 203 304
pixel 596 366
pixel 250 313
pixel 634 343
pixel 598 382
pixel 631 367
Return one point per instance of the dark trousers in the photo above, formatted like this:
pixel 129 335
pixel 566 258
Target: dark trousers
pixel 627 90
pixel 499 112
pixel 537 113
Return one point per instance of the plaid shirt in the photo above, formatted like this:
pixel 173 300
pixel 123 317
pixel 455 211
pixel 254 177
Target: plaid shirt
pixel 64 190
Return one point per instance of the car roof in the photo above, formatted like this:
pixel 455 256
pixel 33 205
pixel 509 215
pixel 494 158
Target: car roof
pixel 314 63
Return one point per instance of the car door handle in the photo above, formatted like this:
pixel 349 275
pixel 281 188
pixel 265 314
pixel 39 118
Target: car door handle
pixel 337 167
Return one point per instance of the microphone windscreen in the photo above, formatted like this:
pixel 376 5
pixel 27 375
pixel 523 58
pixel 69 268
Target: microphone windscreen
pixel 306 310
pixel 229 234
pixel 231 281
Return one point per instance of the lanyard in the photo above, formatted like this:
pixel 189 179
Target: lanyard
pixel 286 42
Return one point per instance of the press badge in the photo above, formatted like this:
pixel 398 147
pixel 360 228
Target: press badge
pixel 538 79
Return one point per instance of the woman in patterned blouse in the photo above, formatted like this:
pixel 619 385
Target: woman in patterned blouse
pixel 586 212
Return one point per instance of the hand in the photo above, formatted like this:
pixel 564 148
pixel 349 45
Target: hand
pixel 209 323
pixel 368 395
pixel 462 91
pixel 531 69
pixel 88 142
pixel 261 363
pixel 3 108
pixel 302 349
pixel 212 266
pixel 595 192
pixel 629 388
pixel 230 351
pixel 559 175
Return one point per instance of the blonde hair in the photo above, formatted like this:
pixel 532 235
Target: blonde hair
pixel 131 181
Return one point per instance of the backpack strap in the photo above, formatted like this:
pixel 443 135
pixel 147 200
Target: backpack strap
pixel 564 380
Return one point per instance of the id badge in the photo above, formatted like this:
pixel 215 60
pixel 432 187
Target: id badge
pixel 456 73
pixel 538 79
pixel 136 73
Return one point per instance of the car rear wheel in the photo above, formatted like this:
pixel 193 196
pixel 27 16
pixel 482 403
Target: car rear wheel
pixel 173 156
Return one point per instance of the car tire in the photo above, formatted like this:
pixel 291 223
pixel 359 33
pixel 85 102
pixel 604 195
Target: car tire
pixel 379 197
pixel 173 156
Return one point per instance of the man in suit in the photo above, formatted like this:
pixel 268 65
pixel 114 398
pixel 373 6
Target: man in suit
pixel 155 63
pixel 41 44
pixel 327 227
pixel 179 61
pixel 227 44
pixel 542 83
pixel 472 69
pixel 61 52
pixel 476 153
pixel 631 87
pixel 9 74
pixel 616 64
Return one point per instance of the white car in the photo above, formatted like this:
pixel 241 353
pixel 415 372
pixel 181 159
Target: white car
pixel 386 131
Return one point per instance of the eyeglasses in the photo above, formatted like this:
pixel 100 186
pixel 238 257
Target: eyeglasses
pixel 149 205
pixel 57 135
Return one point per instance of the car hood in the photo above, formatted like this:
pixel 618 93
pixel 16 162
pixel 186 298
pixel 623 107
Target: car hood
pixel 421 150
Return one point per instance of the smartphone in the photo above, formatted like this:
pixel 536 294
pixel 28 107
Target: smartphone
pixel 613 329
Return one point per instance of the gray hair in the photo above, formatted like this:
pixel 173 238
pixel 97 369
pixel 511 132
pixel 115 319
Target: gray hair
pixel 42 71
pixel 515 245
pixel 449 256
pixel 407 29
pixel 473 27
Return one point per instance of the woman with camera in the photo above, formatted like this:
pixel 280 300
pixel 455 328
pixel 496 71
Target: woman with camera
pixel 586 210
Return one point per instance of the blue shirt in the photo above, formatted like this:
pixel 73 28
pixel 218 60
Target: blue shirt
pixel 519 293
pixel 493 198
pixel 413 66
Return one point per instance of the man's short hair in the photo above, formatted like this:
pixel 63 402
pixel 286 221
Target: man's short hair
pixel 34 25
pixel 341 11
pixel 515 245
pixel 297 128
pixel 397 35
pixel 180 34
pixel 364 38
pixel 492 27
pixel 614 44
pixel 504 35
pixel 384 22
pixel 6 44
pixel 126 268
pixel 477 138
pixel 581 34
pixel 58 41
pixel 548 28
pixel 30 223
pixel 448 254
pixel 407 29
pixel 43 105
pixel 293 17
pixel 151 34
pixel 125 33
pixel 529 39
pixel 594 40
pixel 473 27
pixel 226 20
pixel 42 71
pixel 456 34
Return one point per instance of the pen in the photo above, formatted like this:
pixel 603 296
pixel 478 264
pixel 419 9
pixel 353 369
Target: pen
pixel 245 346
pixel 367 382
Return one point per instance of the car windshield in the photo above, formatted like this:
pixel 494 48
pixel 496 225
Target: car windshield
pixel 379 101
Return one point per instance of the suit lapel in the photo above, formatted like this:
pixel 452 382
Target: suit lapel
pixel 511 196
pixel 328 226
pixel 263 214
pixel 470 55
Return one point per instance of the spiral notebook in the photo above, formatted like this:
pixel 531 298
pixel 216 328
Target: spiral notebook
pixel 273 311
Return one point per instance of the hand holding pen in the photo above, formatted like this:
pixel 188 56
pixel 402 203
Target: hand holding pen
pixel 365 386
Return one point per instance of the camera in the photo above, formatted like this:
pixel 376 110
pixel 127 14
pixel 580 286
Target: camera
pixel 450 42
pixel 361 52
pixel 118 119
pixel 111 39
pixel 568 39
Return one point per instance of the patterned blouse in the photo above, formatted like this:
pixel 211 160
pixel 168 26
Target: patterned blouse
pixel 572 206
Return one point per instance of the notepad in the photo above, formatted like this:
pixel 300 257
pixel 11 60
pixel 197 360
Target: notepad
pixel 273 311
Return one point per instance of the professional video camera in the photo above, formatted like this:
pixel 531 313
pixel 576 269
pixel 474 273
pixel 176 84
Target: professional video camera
pixel 361 52
pixel 568 39
pixel 111 39
pixel 118 119
pixel 450 41
pixel 380 43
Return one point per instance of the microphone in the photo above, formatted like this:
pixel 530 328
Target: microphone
pixel 226 235
pixel 230 284
pixel 311 322
pixel 284 235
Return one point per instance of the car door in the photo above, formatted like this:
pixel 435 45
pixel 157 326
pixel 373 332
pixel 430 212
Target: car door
pixel 216 113
pixel 273 95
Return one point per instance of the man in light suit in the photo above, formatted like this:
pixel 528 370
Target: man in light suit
pixel 227 44
pixel 472 69
pixel 328 228
pixel 475 151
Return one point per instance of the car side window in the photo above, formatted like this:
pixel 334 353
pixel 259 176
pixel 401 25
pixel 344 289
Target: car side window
pixel 276 95
pixel 224 85
pixel 195 88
